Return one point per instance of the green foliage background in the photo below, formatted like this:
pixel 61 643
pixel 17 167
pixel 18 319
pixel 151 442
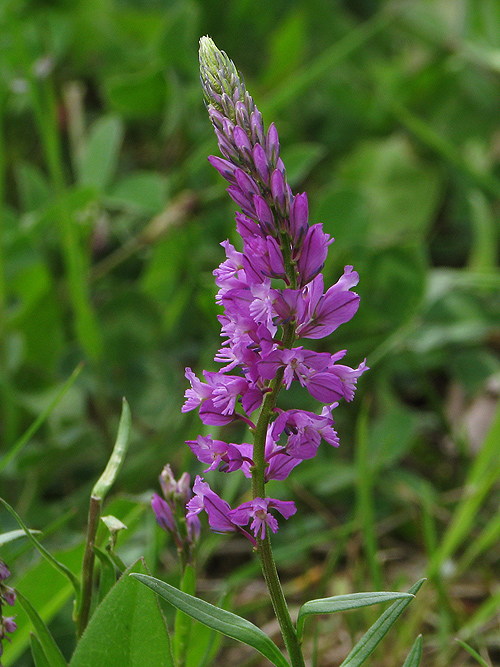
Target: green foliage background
pixel 111 219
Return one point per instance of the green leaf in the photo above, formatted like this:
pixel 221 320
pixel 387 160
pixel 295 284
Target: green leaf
pixel 137 95
pixel 108 573
pixel 48 592
pixel 106 480
pixel 140 192
pixel 43 551
pixel 37 652
pixel 343 603
pixel 378 630
pixel 300 159
pixel 12 535
pixel 24 439
pixel 472 652
pixel 49 647
pixel 183 622
pixel 415 655
pixel 100 156
pixel 223 621
pixel 126 630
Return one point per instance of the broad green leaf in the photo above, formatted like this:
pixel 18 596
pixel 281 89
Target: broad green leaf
pixel 37 652
pixel 415 655
pixel 60 567
pixel 100 155
pixel 126 630
pixel 402 192
pixel 343 603
pixel 52 652
pixel 378 630
pixel 12 535
pixel 219 619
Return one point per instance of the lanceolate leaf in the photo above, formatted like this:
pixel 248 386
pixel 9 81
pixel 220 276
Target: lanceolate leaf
pixel 219 619
pixel 37 652
pixel 49 648
pixel 379 629
pixel 343 603
pixel 415 655
pixel 43 551
pixel 15 535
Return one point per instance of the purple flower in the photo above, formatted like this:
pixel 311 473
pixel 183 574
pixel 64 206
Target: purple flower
pixel 313 253
pixel 305 430
pixel 9 623
pixel 257 510
pixel 163 513
pixel 323 313
pixel 217 453
pixel 170 512
pixel 218 510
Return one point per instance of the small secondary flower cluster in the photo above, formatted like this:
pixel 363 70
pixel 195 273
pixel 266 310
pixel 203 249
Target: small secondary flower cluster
pixel 170 513
pixel 7 595
pixel 272 293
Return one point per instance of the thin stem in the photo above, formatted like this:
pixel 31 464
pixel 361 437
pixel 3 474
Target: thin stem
pixel 83 612
pixel 279 603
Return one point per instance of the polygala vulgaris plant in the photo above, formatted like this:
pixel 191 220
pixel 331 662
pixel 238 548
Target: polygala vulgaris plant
pixel 273 297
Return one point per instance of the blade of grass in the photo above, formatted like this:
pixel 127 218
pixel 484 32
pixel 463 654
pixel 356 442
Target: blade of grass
pixel 473 653
pixel 487 611
pixel 44 104
pixel 49 647
pixel 297 84
pixel 428 136
pixel 40 419
pixel 483 474
pixel 365 511
pixel 72 578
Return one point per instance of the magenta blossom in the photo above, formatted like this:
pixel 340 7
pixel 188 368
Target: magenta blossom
pixel 257 510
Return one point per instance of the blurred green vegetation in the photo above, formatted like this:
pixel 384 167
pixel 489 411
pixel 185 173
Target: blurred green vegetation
pixel 111 219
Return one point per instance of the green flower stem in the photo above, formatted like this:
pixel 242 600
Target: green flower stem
pixel 83 612
pixel 279 603
pixel 258 491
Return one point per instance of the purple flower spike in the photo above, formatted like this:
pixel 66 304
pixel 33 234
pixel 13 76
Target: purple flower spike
pixel 272 292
